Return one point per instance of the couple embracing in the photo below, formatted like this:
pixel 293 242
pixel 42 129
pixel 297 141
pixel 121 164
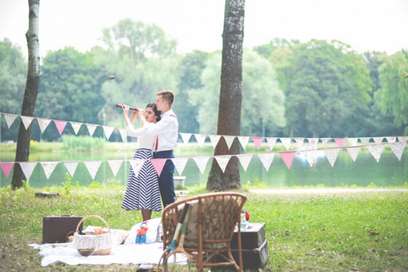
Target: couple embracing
pixel 157 139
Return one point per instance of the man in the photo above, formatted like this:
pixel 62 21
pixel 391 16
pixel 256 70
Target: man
pixel 167 131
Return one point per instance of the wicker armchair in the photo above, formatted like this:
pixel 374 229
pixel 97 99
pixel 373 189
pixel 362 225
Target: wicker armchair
pixel 209 228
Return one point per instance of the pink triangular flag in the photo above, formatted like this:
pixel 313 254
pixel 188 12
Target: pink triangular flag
pixel 201 163
pixel 76 126
pixel 353 152
pixel 214 140
pixel 287 158
pixel 27 168
pixel 91 129
pixel 26 121
pixel 10 118
pixel 136 165
pixel 48 167
pixel 271 141
pixel 115 166
pixel 185 137
pixel 158 165
pixel 108 131
pixel 60 125
pixel 200 138
pixel 6 167
pixel 266 160
pixel 376 150
pixel 229 140
pixel 340 142
pixel 43 123
pixel 257 141
pixel 243 141
pixel 71 167
pixel 180 164
pixel 244 159
pixel 93 167
pixel 398 148
pixel 331 155
pixel 222 161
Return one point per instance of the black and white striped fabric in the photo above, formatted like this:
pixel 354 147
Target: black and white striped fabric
pixel 143 191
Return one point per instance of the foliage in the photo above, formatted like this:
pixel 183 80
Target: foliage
pixel 82 143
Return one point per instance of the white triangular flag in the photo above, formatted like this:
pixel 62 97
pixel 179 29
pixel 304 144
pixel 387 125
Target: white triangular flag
pixel 75 126
pixel 271 141
pixel 43 123
pixel 123 134
pixel 299 142
pixel 266 160
pixel 229 140
pixel 201 163
pixel 398 148
pixel 93 167
pixel 391 140
pixel 353 152
pixel 180 164
pixel 71 167
pixel 245 159
pixel 222 161
pixel 376 150
pixel 378 140
pixel 352 141
pixel 136 165
pixel 108 131
pixel 214 139
pixel 286 142
pixel 331 155
pixel 27 168
pixel 48 167
pixel 200 138
pixel 115 166
pixel 186 137
pixel 10 118
pixel 91 129
pixel 364 140
pixel 26 121
pixel 310 157
pixel 243 140
pixel 403 139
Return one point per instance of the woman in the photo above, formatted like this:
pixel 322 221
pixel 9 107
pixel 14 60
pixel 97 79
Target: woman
pixel 142 192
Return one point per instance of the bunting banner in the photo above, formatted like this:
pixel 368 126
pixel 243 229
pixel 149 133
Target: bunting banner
pixel 352 141
pixel 398 148
pixel 201 163
pixel 353 152
pixel 222 161
pixel 228 140
pixel 266 160
pixel 243 140
pixel 76 127
pixel 93 167
pixel 391 140
pixel 91 129
pixel 286 142
pixel 115 166
pixel 43 124
pixel 287 158
pixel 257 141
pixel 180 164
pixel 27 168
pixel 310 157
pixel 376 151
pixel 6 168
pixel 71 167
pixel 136 165
pixel 331 155
pixel 123 134
pixel 107 130
pixel 340 142
pixel 26 121
pixel 185 137
pixel 60 125
pixel 271 141
pixel 158 165
pixel 244 159
pixel 200 138
pixel 377 140
pixel 48 167
pixel 10 118
pixel 214 139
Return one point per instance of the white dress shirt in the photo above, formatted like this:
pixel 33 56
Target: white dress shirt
pixel 166 130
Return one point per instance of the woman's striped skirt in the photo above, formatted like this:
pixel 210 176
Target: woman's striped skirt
pixel 142 190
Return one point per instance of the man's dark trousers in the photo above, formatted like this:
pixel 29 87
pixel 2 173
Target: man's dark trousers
pixel 166 182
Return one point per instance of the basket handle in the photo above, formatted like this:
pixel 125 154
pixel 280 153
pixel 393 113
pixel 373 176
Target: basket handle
pixel 94 216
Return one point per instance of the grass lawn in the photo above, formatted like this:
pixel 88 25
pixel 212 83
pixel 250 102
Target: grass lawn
pixel 359 232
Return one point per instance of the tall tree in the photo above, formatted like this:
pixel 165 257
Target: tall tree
pixel 31 90
pixel 229 110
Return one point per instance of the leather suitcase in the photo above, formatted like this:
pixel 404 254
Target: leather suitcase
pixel 254 246
pixel 56 229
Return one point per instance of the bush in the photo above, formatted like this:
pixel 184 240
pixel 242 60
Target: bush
pixel 82 143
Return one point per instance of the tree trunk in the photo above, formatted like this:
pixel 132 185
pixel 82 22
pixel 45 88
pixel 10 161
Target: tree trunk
pixel 229 111
pixel 31 90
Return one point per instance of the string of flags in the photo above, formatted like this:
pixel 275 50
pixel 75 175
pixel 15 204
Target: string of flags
pixel 289 143
pixel 311 155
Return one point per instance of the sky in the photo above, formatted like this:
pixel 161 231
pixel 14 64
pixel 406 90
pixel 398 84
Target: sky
pixel 378 25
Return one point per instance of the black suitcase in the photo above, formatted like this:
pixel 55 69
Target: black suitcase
pixel 56 229
pixel 254 246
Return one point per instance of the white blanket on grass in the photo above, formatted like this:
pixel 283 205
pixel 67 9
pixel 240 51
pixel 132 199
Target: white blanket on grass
pixel 142 254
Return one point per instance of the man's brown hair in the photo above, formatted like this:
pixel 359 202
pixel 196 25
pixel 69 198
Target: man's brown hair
pixel 166 95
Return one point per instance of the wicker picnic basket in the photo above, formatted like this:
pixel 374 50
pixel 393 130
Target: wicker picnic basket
pixel 93 244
